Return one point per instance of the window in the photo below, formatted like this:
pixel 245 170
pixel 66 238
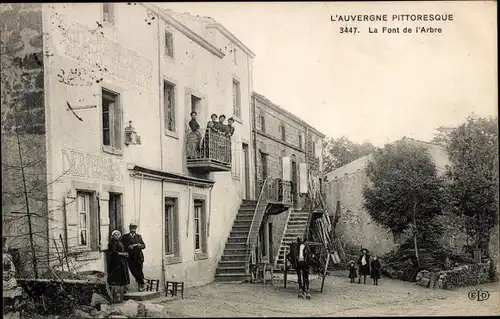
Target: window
pixel 195 104
pixel 262 122
pixel 169 44
pixel 200 246
pixel 235 54
pixel 169 105
pixel 108 13
pixel 111 120
pixel 83 214
pixel 86 215
pixel 314 148
pixel 283 133
pixel 300 140
pixel 236 99
pixel 171 229
pixel 263 163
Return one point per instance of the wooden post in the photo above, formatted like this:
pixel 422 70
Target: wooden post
pixel 324 272
pixel 286 269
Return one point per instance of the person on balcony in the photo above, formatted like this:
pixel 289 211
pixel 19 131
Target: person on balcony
pixel 221 139
pixel 210 130
pixel 229 133
pixel 230 127
pixel 194 137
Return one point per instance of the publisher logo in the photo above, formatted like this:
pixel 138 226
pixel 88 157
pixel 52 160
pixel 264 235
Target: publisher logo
pixel 479 295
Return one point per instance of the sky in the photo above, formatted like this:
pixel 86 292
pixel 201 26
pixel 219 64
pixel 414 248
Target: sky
pixel 366 86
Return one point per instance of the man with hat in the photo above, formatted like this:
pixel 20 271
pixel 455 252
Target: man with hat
pixel 134 245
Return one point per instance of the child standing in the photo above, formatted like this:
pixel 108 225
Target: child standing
pixel 375 270
pixel 352 271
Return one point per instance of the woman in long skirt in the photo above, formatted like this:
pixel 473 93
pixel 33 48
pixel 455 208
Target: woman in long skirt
pixel 364 265
pixel 118 277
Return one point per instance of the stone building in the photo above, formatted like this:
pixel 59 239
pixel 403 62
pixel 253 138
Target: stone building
pixel 285 147
pixel 344 188
pixel 101 96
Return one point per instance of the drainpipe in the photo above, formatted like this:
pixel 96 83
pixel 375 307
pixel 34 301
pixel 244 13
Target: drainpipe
pixel 161 136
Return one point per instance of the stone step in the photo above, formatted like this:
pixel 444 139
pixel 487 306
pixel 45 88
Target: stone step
pixel 244 209
pixel 230 270
pixel 232 277
pixel 238 233
pixel 141 295
pixel 241 257
pixel 249 201
pixel 231 263
pixel 242 223
pixel 242 218
pixel 234 252
pixel 237 239
pixel 236 245
pixel 241 228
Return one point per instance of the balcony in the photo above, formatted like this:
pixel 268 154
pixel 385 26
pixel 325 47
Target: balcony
pixel 279 195
pixel 210 152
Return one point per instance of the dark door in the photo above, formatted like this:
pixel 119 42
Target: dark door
pixel 263 164
pixel 271 248
pixel 294 182
pixel 246 160
pixel 115 212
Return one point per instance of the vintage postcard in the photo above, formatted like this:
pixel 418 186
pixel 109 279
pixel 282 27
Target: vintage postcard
pixel 253 159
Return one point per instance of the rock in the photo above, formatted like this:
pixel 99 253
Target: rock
pixel 81 314
pixel 141 310
pixel 88 309
pixel 105 311
pixel 117 316
pixel 12 315
pixel 98 300
pixel 155 310
pixel 129 308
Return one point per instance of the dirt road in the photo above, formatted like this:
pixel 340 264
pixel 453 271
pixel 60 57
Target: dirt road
pixel 339 298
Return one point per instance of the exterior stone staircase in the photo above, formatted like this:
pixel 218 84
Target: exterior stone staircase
pixel 296 226
pixel 231 267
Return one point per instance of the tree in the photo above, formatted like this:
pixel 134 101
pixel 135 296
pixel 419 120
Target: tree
pixel 341 151
pixel 405 191
pixel 442 135
pixel 472 186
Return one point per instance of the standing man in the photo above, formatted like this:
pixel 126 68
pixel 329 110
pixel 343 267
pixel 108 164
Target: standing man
pixel 134 245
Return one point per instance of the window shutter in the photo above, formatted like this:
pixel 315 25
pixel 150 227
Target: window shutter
pixel 287 169
pixel 303 178
pixel 71 216
pixel 104 220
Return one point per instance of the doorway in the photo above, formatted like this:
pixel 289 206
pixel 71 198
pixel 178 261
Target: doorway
pixel 246 170
pixel 263 169
pixel 294 182
pixel 115 212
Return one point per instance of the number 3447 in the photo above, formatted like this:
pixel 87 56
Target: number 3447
pixel 352 30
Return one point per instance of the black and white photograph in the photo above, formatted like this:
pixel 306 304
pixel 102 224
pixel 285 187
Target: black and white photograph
pixel 249 159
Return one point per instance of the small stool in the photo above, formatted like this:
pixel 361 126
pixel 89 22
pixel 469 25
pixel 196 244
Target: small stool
pixel 174 287
pixel 150 283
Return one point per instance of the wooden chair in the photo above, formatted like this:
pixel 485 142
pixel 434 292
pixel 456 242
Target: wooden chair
pixel 173 287
pixel 152 284
pixel 261 269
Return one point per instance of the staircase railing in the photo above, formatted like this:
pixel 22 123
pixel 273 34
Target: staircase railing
pixel 256 221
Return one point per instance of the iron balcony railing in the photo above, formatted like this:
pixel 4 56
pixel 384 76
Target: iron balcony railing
pixel 208 146
pixel 278 190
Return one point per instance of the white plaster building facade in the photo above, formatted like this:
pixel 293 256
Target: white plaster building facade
pixel 119 63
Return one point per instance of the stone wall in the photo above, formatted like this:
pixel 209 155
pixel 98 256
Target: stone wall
pixel 462 276
pixel 357 228
pixel 23 131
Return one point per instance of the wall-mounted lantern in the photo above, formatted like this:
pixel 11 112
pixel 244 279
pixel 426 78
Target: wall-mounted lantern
pixel 131 137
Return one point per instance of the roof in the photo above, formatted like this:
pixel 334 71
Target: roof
pixel 287 113
pixel 167 17
pixel 211 23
